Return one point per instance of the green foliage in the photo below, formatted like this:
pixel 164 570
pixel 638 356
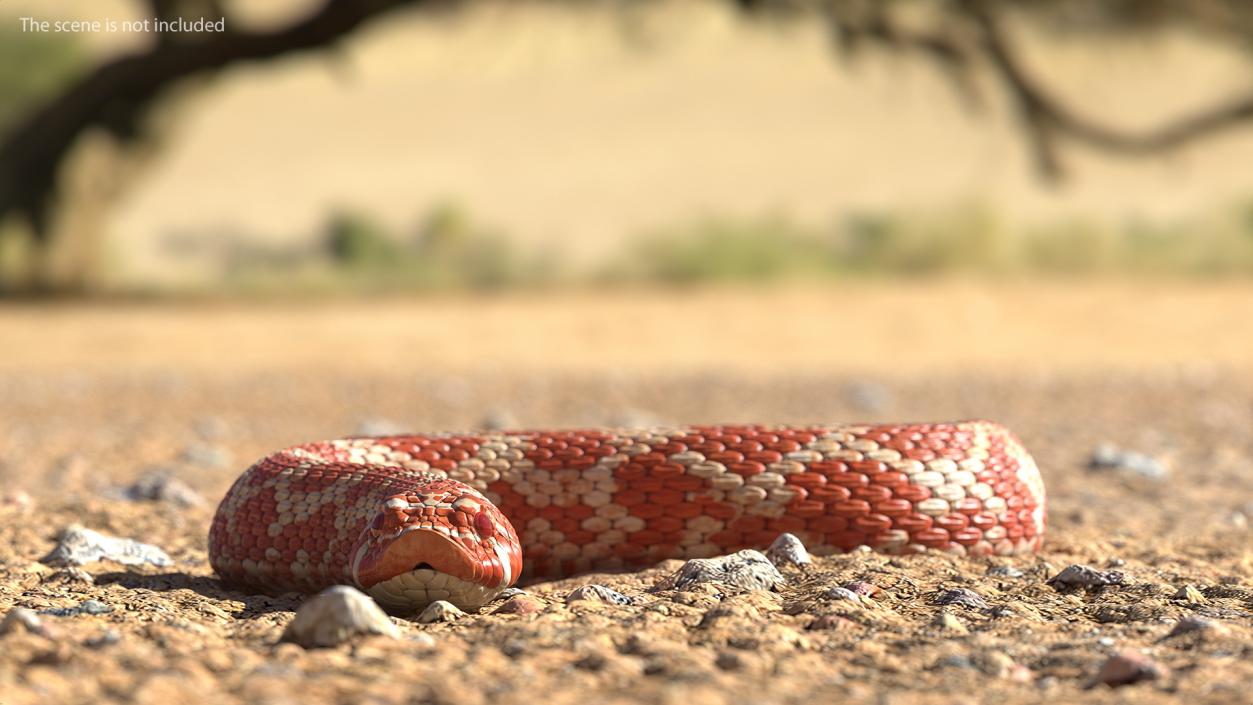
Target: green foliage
pixel 450 251
pixel 33 66
pixel 722 250
pixel 355 240
pixel 966 240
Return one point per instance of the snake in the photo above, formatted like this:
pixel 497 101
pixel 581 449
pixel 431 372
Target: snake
pixel 460 517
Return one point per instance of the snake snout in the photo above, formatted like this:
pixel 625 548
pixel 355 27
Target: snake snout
pixel 449 545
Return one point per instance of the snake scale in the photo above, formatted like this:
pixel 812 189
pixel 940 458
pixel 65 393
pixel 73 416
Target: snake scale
pixel 459 517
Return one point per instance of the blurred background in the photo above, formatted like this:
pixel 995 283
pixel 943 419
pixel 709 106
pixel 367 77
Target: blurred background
pixel 364 217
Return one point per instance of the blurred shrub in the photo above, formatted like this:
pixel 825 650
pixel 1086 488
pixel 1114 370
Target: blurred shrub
pixel 450 251
pixel 721 250
pixel 358 254
pixel 964 240
pixel 355 240
pixel 33 65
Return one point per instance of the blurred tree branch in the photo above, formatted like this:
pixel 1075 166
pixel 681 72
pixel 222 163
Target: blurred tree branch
pixel 119 95
pixel 966 35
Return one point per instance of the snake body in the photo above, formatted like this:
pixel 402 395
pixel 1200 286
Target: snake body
pixel 460 517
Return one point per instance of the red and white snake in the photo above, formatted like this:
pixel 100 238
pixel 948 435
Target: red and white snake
pixel 416 518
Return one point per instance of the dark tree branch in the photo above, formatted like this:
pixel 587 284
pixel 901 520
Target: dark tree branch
pixel 119 95
pixel 1048 119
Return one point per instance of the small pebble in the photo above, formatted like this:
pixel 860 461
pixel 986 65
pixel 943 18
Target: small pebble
pixel 947 622
pixel 522 604
pixel 787 549
pixel 206 455
pixel 440 611
pixel 1193 624
pixel 509 592
pixel 1005 571
pixel 744 570
pixel 963 598
pixel 1127 667
pixel 79 546
pixel 334 616
pixel 863 588
pixel 22 619
pixel 729 661
pixel 498 419
pixel 379 427
pixel 17 500
pixel 85 607
pixel 842 593
pixel 954 661
pixel 1085 577
pixel 105 638
pixel 1107 456
pixel 160 486
pixel 1191 595
pixel 598 593
pixel 869 397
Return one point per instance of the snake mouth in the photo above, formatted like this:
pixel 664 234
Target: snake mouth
pixel 412 549
pixel 415 589
pixel 420 565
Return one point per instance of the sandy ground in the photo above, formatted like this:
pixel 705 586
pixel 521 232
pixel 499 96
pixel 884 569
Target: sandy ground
pixel 93 397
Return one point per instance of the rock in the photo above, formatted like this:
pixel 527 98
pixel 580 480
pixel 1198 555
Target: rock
pixel 1077 576
pixel 1005 571
pixel 1189 594
pixel 598 593
pixel 1193 624
pixel 863 588
pixel 17 501
pixel 85 607
pixel 160 486
pixel 787 549
pixel 870 397
pixel 743 570
pixel 379 427
pixel 106 638
pixel 635 418
pixel 440 611
pixel 999 664
pixel 207 455
pixel 498 419
pixel 1127 667
pixel 1107 456
pixel 79 545
pixel 729 661
pixel 522 604
pixel 22 619
pixel 954 661
pixel 510 592
pixel 336 615
pixel 962 598
pixel 842 593
pixel 948 623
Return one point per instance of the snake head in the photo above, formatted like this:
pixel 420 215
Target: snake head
pixel 445 541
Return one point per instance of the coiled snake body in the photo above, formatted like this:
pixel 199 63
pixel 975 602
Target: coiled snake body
pixel 416 518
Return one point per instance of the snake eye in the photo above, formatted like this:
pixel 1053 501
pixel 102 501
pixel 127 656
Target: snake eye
pixel 484 524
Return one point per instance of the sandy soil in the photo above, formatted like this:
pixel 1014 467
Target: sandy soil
pixel 93 398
